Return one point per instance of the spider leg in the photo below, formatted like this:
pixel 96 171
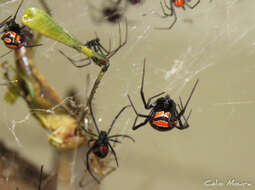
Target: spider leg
pixel 87 131
pixel 89 141
pixel 138 114
pixel 186 124
pixel 121 44
pixel 102 48
pixel 173 23
pixel 116 117
pixel 34 45
pixel 40 180
pixel 93 118
pixel 149 99
pixel 147 105
pixel 77 61
pixel 181 127
pixel 88 167
pixel 172 13
pixel 192 6
pixel 14 18
pixel 113 140
pixel 168 7
pixel 5 21
pixel 141 124
pixel 182 111
pixel 5 54
pixel 180 106
pixel 186 120
pixel 97 47
pixel 141 90
pixel 114 154
pixel 127 136
pixel 45 7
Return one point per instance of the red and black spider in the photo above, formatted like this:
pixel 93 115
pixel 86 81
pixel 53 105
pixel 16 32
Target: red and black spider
pixel 163 115
pixel 171 8
pixel 102 141
pixel 13 36
pixel 97 47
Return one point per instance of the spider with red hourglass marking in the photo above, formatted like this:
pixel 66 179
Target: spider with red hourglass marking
pixel 163 115
pixel 13 36
pixel 97 47
pixel 171 8
pixel 102 141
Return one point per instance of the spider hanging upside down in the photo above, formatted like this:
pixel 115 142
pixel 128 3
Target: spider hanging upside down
pixel 171 8
pixel 13 37
pixel 102 141
pixel 163 115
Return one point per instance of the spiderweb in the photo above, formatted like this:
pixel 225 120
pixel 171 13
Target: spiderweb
pixel 213 42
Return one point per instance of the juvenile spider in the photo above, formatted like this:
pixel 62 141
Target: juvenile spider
pixel 13 36
pixel 171 8
pixel 163 115
pixel 102 141
pixel 97 47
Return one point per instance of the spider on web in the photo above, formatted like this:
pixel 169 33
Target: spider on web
pixel 97 47
pixel 171 8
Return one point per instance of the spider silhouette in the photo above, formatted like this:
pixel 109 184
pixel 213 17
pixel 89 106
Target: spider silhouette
pixel 102 141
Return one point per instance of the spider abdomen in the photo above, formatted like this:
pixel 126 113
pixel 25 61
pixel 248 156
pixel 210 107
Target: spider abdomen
pixel 12 40
pixel 178 3
pixel 101 151
pixel 160 121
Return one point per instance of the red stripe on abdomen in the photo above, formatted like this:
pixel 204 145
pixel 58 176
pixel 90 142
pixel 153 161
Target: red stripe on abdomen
pixel 160 123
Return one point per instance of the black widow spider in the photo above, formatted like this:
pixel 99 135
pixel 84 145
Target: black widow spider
pixel 97 47
pixel 102 141
pixel 14 36
pixel 173 4
pixel 163 115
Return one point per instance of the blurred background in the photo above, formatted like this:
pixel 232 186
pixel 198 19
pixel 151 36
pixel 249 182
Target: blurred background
pixel 214 42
